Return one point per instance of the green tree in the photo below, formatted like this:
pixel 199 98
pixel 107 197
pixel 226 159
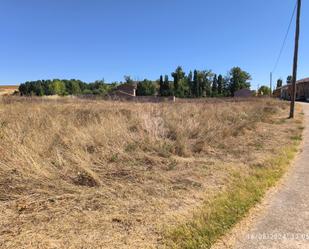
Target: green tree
pixel 39 90
pixel 289 79
pixel 23 89
pixel 146 88
pixel 72 87
pixel 183 88
pixel 220 85
pixel 226 87
pixel 178 75
pixel 99 87
pixel 215 86
pixel 161 86
pixel 206 81
pixel 128 79
pixel 57 87
pixel 190 84
pixel 264 90
pixel 279 83
pixel 46 87
pixel 87 92
pixel 196 86
pixel 63 87
pixel 75 88
pixel 165 88
pixel 239 79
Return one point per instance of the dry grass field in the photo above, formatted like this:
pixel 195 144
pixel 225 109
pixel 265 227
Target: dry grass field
pixel 4 90
pixel 98 174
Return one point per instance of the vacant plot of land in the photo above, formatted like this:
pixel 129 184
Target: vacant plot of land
pixel 87 174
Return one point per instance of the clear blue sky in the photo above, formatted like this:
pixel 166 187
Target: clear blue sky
pixel 95 39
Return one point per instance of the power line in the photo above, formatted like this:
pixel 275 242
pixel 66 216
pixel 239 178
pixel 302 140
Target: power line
pixel 285 39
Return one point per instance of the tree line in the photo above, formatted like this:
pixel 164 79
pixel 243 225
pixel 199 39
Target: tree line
pixel 64 87
pixel 203 83
pixel 195 84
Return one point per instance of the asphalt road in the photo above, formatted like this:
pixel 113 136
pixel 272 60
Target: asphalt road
pixel 284 223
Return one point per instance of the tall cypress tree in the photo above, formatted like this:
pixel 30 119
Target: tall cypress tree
pixel 220 84
pixel 196 86
pixel 279 83
pixel 161 84
pixel 190 83
pixel 215 86
pixel 167 87
pixel 206 79
pixel 167 91
pixel 178 75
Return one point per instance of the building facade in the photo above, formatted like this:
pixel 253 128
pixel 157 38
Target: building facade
pixel 302 90
pixel 244 93
pixel 125 90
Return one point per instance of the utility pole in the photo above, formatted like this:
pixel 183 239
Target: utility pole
pixel 271 84
pixel 293 95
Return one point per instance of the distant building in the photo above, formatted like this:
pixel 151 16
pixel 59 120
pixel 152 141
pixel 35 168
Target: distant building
pixel 302 90
pixel 125 90
pixel 244 93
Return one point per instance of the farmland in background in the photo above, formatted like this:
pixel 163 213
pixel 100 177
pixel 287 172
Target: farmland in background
pixel 4 90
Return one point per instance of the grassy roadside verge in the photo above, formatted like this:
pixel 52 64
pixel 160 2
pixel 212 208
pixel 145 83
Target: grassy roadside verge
pixel 221 213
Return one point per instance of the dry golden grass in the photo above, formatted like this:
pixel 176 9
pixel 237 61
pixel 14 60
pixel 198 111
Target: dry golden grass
pixel 6 90
pixel 89 174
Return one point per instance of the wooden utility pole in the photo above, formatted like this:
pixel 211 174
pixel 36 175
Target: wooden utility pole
pixel 271 84
pixel 293 95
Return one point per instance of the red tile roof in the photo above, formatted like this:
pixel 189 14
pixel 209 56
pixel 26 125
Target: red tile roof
pixel 305 80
